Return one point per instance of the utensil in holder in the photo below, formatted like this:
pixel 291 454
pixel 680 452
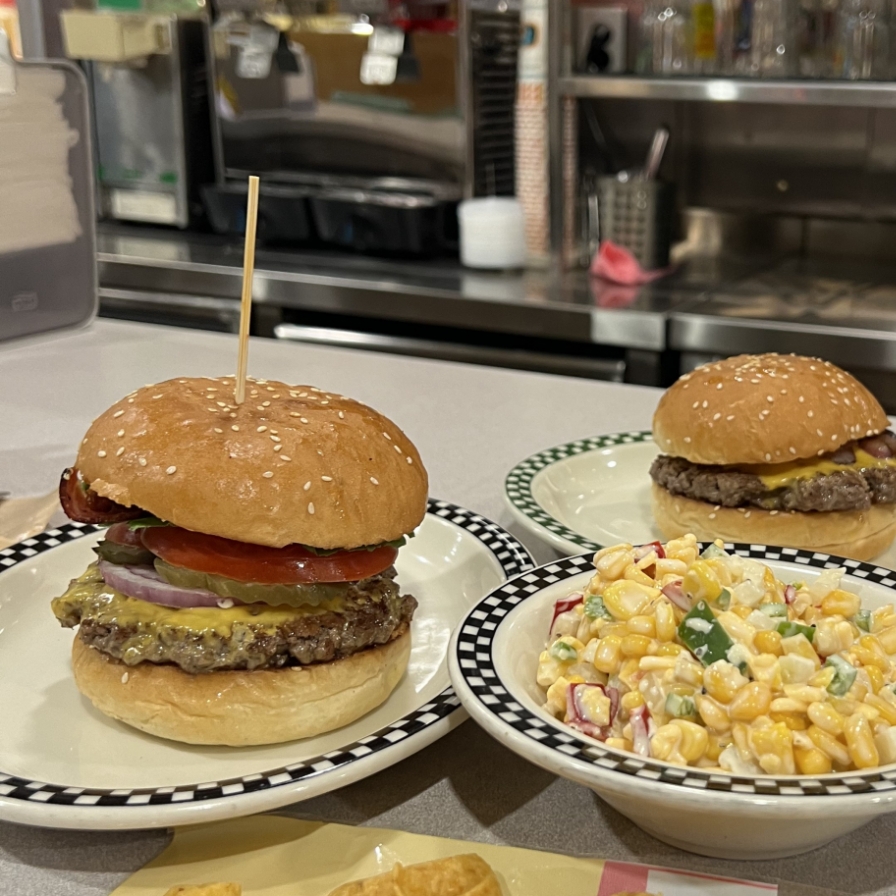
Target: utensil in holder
pixel 637 214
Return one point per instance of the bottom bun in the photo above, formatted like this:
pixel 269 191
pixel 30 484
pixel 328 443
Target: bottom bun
pixel 859 534
pixel 241 709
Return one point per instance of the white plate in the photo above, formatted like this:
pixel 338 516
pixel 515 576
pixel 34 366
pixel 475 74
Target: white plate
pixel 493 662
pixel 586 495
pixel 63 764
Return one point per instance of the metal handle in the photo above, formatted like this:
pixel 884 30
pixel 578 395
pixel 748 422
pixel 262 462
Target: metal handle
pixel 655 154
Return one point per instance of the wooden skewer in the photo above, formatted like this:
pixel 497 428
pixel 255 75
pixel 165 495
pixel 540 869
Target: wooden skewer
pixel 246 303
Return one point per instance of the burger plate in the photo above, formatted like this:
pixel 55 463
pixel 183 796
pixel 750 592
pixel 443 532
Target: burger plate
pixel 63 764
pixel 594 492
pixel 493 660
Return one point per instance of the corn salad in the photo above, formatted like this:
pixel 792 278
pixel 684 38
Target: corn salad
pixel 707 659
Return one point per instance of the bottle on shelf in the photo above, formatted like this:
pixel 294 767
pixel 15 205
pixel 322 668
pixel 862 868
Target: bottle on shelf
pixel 665 38
pixel 863 40
pixel 705 50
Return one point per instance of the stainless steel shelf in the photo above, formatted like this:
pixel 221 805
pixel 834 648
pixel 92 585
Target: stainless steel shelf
pixel 732 90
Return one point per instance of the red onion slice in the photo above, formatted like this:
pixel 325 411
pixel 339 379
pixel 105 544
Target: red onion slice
pixel 144 583
pixel 675 593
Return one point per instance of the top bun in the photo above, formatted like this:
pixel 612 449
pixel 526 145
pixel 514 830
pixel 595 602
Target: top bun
pixel 760 409
pixel 292 464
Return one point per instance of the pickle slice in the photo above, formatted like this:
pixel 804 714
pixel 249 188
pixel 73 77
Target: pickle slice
pixel 123 554
pixel 251 592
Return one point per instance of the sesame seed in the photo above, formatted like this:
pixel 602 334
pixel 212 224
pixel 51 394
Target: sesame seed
pixel 171 470
pixel 712 516
pixel 120 433
pixel 325 402
pixel 409 459
pixel 267 474
pixel 811 414
pixel 768 456
pixel 276 395
pixel 130 401
pixel 284 457
pixel 211 388
pixel 792 450
pixel 213 410
pixel 232 415
pixel 142 461
pixel 293 414
pixel 341 415
pixel 747 514
pixel 303 419
pixel 773 513
pixel 307 485
pixel 820 433
pixel 124 678
pixel 275 438
pixel 327 478
pixel 320 452
pixel 118 413
pixel 156 396
pixel 834 438
pixel 397 448
pixel 310 507
pixel 221 404
pixel 769 398
pixel 261 429
pixel 696 404
pixel 374 480
pixel 687 440
pixel 387 436
pixel 120 451
pixel 277 447
pixel 719 387
pixel 265 404
pixel 716 416
pixel 259 407
pixel 705 404
pixel 101 453
pixel 235 428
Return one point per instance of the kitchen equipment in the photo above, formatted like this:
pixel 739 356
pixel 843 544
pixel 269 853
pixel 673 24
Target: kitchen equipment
pixel 149 83
pixel 603 36
pixel 47 239
pixel 655 153
pixel 378 116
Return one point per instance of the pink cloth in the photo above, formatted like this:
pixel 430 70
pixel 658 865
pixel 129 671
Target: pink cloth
pixel 618 265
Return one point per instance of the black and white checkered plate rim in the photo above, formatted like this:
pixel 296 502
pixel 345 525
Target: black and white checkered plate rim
pixel 509 553
pixel 475 658
pixel 518 482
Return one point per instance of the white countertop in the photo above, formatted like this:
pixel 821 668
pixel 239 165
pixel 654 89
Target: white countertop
pixel 471 424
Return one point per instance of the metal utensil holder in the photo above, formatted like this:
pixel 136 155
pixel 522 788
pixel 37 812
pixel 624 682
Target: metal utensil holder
pixel 638 214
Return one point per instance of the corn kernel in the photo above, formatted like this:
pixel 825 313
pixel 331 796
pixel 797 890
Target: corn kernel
pixel 812 762
pixel 887 639
pixel 767 669
pixel 829 745
pixel 636 574
pixel 654 663
pixel 841 603
pixel 636 645
pixel 612 562
pixel 742 610
pixel 712 712
pixel 625 599
pixel 631 700
pixel 642 625
pixel 609 654
pixel 722 681
pixel 833 636
pixel 701 582
pixel 629 673
pixel 667 567
pixel 822 678
pixel 714 747
pixel 619 743
pixel 773 748
pixel 886 709
pixel 670 649
pixel 811 615
pixel 869 652
pixel 795 721
pixel 689 671
pixel 768 642
pixel 827 718
pixel 860 742
pixel 750 701
pixel 694 739
pixel 875 677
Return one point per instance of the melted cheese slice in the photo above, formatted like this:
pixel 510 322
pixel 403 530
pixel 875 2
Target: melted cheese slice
pixel 775 476
pixel 102 604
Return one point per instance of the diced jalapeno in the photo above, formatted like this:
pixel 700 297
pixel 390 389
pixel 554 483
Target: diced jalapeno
pixel 862 619
pixel 774 610
pixel 790 629
pixel 680 707
pixel 704 636
pixel 844 675
pixel 595 609
pixel 723 601
pixel 564 652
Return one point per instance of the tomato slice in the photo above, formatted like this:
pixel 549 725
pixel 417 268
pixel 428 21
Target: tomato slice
pixel 123 534
pixel 292 565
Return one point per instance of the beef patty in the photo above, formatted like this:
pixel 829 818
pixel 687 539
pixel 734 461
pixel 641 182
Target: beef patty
pixel 846 489
pixel 371 613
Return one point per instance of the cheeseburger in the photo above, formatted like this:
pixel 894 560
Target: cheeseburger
pixel 776 449
pixel 245 591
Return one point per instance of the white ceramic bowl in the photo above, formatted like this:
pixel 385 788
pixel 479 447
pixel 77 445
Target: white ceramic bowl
pixel 493 659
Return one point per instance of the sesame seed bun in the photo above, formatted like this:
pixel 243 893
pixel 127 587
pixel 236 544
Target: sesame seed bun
pixel 241 709
pixel 760 409
pixel 291 465
pixel 859 534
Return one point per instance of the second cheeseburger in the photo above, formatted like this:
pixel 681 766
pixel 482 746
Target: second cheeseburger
pixel 245 592
pixel 776 449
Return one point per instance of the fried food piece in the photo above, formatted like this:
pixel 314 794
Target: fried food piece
pixel 464 875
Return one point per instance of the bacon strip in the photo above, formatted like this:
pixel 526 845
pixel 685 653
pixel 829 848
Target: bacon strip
pixel 82 504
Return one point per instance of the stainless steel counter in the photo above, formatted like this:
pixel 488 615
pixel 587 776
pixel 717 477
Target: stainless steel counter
pixel 539 320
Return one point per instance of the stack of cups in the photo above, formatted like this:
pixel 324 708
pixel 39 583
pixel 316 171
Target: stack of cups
pixel 492 233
